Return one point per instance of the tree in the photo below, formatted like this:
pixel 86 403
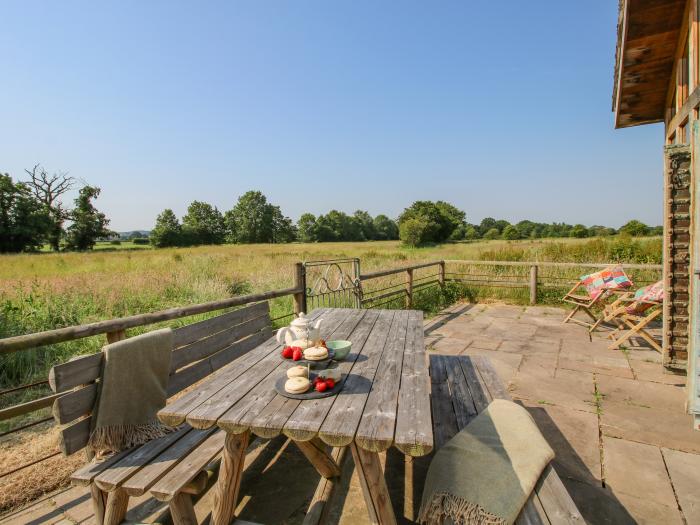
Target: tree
pixel 48 189
pixel 579 231
pixel 440 219
pixel 471 233
pixel 88 224
pixel 250 220
pixel 635 228
pixel 452 218
pixel 510 233
pixel 492 234
pixel 23 222
pixel 385 228
pixel 365 223
pixel 203 224
pixel 412 231
pixel 167 231
pixel 283 230
pixel 306 228
pixel 486 224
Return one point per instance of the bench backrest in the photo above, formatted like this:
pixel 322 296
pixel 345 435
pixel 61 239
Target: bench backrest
pixel 199 349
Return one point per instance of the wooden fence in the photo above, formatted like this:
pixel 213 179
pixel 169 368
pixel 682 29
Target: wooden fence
pixel 374 289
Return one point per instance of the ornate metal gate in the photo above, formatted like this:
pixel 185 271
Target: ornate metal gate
pixel 333 283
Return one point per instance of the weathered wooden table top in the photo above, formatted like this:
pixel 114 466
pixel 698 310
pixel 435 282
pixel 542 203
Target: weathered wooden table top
pixel 385 399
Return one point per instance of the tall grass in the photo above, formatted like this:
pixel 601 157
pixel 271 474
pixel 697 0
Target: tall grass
pixel 46 291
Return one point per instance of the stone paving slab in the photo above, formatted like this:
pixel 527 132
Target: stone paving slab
pixel 637 393
pixel 684 469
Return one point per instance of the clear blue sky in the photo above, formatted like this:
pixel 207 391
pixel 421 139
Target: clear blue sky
pixel 502 108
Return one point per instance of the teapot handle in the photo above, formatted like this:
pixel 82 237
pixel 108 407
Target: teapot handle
pixel 281 335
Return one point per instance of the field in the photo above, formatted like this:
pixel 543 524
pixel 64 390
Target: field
pixel 47 290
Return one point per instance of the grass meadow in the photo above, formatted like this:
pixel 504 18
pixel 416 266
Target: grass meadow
pixel 51 290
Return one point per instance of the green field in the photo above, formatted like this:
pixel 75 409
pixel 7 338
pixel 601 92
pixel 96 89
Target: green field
pixel 45 291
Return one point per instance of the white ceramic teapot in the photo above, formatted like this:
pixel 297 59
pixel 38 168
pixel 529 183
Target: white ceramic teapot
pixel 301 328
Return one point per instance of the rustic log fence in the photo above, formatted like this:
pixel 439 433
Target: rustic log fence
pixel 387 291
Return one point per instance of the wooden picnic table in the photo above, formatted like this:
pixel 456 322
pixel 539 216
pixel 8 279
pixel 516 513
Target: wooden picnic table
pixel 384 402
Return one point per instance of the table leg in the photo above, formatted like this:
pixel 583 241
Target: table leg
pixel 315 452
pixel 229 482
pixel 369 470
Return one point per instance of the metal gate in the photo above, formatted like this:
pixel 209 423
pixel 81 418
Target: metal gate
pixel 333 283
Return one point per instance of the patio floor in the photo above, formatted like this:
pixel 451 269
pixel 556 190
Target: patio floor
pixel 626 450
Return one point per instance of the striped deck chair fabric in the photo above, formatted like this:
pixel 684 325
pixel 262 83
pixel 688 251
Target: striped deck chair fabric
pixel 613 278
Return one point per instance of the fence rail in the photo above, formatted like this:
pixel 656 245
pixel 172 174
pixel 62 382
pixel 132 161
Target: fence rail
pixel 404 291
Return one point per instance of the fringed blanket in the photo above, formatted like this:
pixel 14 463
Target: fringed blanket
pixel 133 387
pixel 486 473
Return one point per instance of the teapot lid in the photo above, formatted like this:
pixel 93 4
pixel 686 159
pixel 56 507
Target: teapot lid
pixel 301 321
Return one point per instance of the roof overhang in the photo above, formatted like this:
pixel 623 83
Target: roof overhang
pixel 647 38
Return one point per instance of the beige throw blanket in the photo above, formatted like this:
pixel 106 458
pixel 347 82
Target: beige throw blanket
pixel 486 473
pixel 133 387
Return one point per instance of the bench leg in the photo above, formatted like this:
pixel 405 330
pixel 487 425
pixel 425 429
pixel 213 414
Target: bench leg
pixel 369 471
pixel 99 501
pixel 229 483
pixel 182 510
pixel 117 503
pixel 315 452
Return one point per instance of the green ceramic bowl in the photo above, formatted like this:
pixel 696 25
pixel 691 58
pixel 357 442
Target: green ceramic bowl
pixel 340 348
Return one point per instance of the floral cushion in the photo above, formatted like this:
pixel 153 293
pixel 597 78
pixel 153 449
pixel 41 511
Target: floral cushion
pixel 613 278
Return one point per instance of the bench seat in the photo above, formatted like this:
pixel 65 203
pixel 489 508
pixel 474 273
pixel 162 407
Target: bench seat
pixel 463 386
pixel 179 465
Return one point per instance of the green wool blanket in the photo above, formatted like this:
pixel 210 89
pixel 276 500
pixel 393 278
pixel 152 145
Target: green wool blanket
pixel 486 473
pixel 132 388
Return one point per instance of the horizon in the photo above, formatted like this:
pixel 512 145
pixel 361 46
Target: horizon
pixel 324 107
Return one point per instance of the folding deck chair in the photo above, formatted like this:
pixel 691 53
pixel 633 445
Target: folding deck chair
pixel 598 286
pixel 632 314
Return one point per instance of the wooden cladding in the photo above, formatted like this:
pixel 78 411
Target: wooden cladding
pixel 677 211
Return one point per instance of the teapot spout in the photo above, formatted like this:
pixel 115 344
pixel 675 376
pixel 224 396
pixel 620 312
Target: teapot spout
pixel 317 326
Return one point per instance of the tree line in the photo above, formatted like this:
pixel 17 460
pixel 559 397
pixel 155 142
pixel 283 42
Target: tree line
pixel 33 214
pixel 255 220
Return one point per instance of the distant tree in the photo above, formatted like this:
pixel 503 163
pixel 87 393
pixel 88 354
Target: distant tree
pixel 88 224
pixel 487 224
pixel 452 218
pixel 203 224
pixel 525 229
pixel 510 233
pixel 471 232
pixel 387 230
pixel 440 219
pixel 656 230
pixel 492 234
pixel 501 225
pixel 48 189
pixel 23 221
pixel 167 231
pixel 600 231
pixel 366 225
pixel 306 228
pixel 412 231
pixel 458 233
pixel 250 220
pixel 635 228
pixel 283 229
pixel 579 231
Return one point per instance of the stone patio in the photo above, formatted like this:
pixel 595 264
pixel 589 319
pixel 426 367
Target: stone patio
pixel 625 448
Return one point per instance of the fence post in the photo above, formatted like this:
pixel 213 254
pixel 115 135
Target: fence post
pixel 299 284
pixel 441 274
pixel 409 288
pixel 113 337
pixel 533 284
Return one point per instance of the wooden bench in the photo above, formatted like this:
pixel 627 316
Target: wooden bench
pixel 463 386
pixel 179 465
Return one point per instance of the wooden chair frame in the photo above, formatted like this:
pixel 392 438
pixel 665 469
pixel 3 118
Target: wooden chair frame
pixel 585 304
pixel 631 324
